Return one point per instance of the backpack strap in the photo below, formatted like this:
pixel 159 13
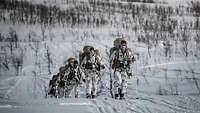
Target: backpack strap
pixel 117 54
pixel 78 74
pixel 72 73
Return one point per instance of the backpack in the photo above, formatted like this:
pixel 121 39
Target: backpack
pixel 55 78
pixel 75 74
pixel 115 63
pixel 62 70
pixel 97 59
pixel 92 65
pixel 71 75
pixel 85 52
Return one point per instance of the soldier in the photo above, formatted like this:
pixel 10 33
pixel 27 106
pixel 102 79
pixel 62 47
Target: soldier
pixel 72 74
pixel 91 65
pixel 53 85
pixel 120 59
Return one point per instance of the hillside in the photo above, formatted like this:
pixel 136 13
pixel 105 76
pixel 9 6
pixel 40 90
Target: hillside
pixel 38 36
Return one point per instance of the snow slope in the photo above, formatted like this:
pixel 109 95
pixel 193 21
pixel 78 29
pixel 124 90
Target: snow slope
pixel 138 100
pixel 160 84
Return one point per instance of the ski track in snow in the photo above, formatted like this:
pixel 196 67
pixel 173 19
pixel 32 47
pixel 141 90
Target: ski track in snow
pixel 133 104
pixel 140 105
pixel 169 63
pixel 10 89
pixel 138 101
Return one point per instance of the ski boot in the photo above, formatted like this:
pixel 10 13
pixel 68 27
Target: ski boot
pixel 122 96
pixel 88 95
pixel 93 96
pixel 116 96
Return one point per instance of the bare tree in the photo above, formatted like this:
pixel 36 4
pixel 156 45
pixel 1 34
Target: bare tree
pixel 35 84
pixel 148 42
pixel 185 40
pixel 49 60
pixel 196 7
pixel 43 30
pixel 35 47
pixel 51 35
pixel 160 90
pixel 167 48
pixel 17 61
pixel 6 62
pixel 14 37
pixel 197 40
pixel 196 81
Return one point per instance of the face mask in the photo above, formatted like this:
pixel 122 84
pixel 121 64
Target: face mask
pixel 75 66
pixel 123 47
pixel 92 53
pixel 71 64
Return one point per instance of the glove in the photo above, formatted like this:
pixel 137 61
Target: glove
pixel 83 65
pixel 76 62
pixel 126 62
pixel 121 64
pixel 129 75
pixel 133 59
pixel 103 67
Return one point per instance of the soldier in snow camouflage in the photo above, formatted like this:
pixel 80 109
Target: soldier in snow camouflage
pixel 121 59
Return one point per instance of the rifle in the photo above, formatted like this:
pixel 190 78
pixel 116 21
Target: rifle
pixel 111 81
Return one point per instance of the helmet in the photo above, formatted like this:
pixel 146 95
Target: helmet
pixel 92 49
pixel 123 45
pixel 97 52
pixel 123 42
pixel 117 42
pixel 71 60
pixel 86 49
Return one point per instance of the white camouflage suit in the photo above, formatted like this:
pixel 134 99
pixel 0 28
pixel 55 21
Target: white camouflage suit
pixel 121 73
pixel 91 75
pixel 73 84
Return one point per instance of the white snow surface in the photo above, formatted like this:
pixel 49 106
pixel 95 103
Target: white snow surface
pixel 159 85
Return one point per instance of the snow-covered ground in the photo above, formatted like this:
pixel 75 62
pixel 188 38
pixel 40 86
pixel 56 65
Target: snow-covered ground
pixel 162 83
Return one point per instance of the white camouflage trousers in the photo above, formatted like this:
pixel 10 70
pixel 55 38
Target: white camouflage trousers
pixel 73 87
pixel 120 82
pixel 91 82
